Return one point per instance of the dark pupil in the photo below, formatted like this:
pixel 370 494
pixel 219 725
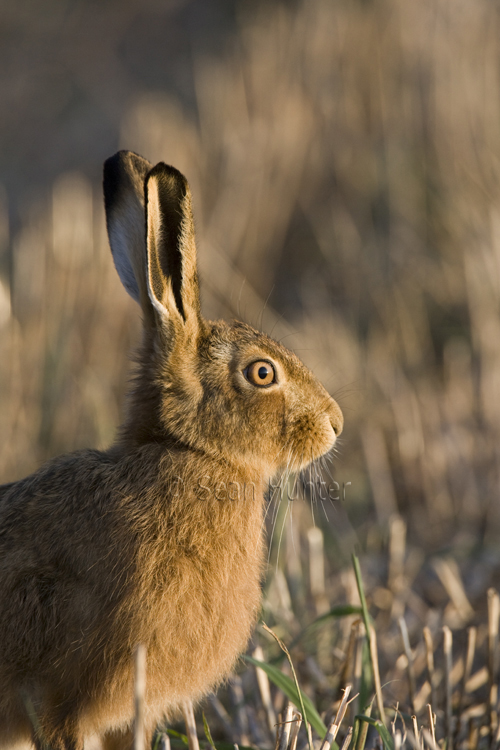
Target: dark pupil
pixel 263 372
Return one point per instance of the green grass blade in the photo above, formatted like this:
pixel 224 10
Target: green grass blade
pixel 343 610
pixel 282 646
pixel 178 735
pixel 362 728
pixel 381 729
pixel 287 685
pixel 178 744
pixel 371 637
pixel 361 591
pixel 208 733
pixel 361 734
pixel 366 683
pixel 355 733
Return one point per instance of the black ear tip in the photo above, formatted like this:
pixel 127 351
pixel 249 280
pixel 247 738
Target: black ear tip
pixel 169 179
pixel 116 158
pixel 121 170
pixel 126 161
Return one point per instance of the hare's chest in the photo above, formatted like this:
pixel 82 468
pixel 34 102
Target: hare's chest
pixel 204 618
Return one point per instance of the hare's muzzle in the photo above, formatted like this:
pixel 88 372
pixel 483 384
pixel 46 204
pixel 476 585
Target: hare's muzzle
pixel 332 423
pixel 336 419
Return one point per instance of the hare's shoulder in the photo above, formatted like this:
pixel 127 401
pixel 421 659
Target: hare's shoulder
pixel 58 480
pixel 68 500
pixel 87 490
pixel 72 520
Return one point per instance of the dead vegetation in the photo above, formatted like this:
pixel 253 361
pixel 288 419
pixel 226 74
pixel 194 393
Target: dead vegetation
pixel 344 162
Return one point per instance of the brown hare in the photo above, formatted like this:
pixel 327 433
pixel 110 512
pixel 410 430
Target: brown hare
pixel 157 540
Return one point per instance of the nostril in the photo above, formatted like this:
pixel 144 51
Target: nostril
pixel 337 423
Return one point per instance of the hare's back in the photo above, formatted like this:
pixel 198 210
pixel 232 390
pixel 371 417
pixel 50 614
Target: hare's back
pixel 57 504
pixel 64 559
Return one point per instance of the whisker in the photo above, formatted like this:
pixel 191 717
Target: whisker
pixel 261 318
pixel 281 535
pixel 324 510
pixel 239 296
pixel 291 528
pixel 278 320
pixel 277 508
pixel 272 531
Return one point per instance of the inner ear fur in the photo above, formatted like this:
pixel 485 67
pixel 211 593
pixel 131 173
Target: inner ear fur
pixel 171 250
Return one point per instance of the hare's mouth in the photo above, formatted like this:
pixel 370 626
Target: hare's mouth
pixel 304 458
pixel 313 438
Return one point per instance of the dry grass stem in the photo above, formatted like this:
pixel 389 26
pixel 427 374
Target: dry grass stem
pixel 376 674
pixel 429 657
pixel 417 733
pixel 493 617
pixel 449 575
pixel 347 739
pixel 431 718
pixel 379 471
pixel 317 569
pixel 447 650
pixel 429 740
pixel 347 672
pixel 409 656
pixel 335 725
pixel 285 728
pixel 469 660
pixel 432 726
pixel 358 664
pixel 397 550
pixel 264 689
pixel 164 742
pixel 285 650
pixel 473 735
pixel 139 691
pixel 224 717
pixel 240 713
pixel 294 734
pixel 278 728
pixel 189 721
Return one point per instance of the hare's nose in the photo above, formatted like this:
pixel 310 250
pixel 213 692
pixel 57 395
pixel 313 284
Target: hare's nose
pixel 336 418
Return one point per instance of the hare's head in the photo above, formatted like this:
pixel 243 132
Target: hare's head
pixel 223 389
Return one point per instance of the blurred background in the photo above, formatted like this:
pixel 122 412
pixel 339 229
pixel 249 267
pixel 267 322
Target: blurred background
pixel 344 158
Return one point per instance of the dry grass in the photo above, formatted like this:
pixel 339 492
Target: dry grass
pixel 344 161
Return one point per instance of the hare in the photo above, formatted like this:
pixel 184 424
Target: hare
pixel 157 540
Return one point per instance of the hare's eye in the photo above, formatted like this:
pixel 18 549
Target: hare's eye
pixel 260 373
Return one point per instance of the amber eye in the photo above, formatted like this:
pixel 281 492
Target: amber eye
pixel 260 373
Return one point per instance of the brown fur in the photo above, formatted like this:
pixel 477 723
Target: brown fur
pixel 100 551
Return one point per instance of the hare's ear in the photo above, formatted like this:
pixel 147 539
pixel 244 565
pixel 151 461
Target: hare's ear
pixel 171 249
pixel 124 178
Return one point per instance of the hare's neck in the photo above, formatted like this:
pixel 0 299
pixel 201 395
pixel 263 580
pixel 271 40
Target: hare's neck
pixel 212 516
pixel 142 423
